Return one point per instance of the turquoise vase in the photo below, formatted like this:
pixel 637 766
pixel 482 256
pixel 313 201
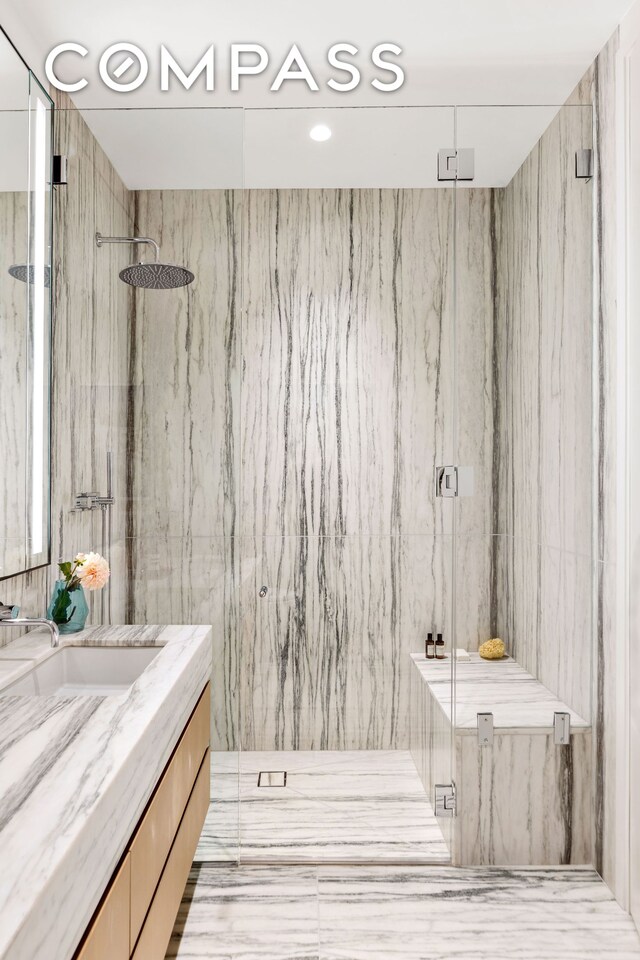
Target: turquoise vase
pixel 68 608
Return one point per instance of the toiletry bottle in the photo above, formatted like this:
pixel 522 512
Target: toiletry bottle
pixel 429 647
pixel 440 648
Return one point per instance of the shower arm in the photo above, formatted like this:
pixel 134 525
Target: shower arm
pixel 100 240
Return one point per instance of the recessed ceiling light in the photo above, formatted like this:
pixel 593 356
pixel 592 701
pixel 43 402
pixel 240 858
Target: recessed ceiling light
pixel 320 132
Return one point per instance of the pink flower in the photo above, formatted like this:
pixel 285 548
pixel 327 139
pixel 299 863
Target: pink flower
pixel 93 571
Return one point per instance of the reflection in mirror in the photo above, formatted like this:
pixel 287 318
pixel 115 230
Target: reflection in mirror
pixel 25 272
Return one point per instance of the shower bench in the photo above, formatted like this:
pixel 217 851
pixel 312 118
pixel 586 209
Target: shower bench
pixel 521 798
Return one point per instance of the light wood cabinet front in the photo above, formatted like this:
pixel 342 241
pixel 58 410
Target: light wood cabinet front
pixel 158 925
pixel 138 910
pixel 108 936
pixel 155 834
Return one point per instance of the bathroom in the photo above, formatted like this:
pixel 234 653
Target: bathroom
pixel 315 395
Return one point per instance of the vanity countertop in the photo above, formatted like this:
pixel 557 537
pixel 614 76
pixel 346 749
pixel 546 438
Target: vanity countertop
pixel 75 777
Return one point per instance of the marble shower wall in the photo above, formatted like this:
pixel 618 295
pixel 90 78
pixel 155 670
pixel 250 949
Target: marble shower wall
pixel 543 412
pixel 289 409
pixel 90 348
pixel 581 575
pixel 599 87
pixel 183 548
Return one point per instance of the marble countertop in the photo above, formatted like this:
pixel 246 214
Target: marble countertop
pixel 75 777
pixel 501 687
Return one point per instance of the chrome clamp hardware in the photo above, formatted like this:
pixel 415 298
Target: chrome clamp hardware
pixel 456 164
pixel 561 729
pixel 485 729
pixel 584 164
pixel 453 481
pixel 445 800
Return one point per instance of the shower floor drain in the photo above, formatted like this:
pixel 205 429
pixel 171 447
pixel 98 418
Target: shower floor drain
pixel 272 778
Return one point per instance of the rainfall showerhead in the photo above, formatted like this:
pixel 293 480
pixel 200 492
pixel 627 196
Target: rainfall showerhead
pixel 156 276
pixel 25 272
pixel 150 276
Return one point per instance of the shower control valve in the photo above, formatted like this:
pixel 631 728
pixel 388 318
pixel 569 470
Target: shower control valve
pixel 92 501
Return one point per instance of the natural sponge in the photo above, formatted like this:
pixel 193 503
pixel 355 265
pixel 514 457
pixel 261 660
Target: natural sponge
pixel 492 649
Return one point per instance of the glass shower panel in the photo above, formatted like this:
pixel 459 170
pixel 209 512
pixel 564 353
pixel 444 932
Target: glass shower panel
pixel 345 553
pixel 524 335
pixel 174 427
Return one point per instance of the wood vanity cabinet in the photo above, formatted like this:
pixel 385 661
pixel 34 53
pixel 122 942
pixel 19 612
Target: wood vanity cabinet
pixel 138 909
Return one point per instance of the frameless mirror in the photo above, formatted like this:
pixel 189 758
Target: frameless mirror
pixel 26 113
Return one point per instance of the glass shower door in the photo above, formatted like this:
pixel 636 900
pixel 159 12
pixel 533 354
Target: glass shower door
pixel 524 420
pixel 345 552
pixel 524 569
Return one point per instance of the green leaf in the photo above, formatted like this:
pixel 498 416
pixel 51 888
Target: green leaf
pixel 65 569
pixel 59 612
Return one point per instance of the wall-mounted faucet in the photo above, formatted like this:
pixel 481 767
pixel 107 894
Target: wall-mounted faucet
pixel 8 618
pixel 94 501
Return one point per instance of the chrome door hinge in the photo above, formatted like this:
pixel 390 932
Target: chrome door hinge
pixel 561 728
pixel 454 481
pixel 584 164
pixel 445 799
pixel 456 164
pixel 485 729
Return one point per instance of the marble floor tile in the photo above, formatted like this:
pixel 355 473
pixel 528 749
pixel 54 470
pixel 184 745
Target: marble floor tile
pixel 470 914
pixel 246 914
pixel 337 805
pixel 383 913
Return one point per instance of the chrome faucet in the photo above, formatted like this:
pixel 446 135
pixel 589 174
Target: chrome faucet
pixel 9 618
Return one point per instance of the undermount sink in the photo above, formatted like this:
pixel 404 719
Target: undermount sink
pixel 83 671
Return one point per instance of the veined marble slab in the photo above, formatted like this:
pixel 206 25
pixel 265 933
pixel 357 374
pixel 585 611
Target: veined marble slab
pixel 75 777
pixel 504 688
pixel 12 669
pixel 385 913
pixel 431 744
pixel 521 800
pixel 336 805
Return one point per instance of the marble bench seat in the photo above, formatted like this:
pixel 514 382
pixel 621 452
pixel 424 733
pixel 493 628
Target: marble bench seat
pixel 521 800
pixel 502 687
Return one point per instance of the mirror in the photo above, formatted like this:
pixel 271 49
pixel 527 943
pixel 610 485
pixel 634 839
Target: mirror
pixel 26 116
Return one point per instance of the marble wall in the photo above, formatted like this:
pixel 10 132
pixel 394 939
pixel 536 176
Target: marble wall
pixel 543 407
pixel 432 744
pixel 561 586
pixel 523 801
pixel 90 347
pixel 290 443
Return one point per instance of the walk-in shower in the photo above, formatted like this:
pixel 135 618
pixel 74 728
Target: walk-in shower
pixel 150 276
pixel 359 327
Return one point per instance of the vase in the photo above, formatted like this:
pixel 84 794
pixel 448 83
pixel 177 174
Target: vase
pixel 68 608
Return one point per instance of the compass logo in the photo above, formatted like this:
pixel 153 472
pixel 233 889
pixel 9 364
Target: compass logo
pixel 124 67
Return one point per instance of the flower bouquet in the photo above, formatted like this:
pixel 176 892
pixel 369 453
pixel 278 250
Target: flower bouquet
pixel 68 607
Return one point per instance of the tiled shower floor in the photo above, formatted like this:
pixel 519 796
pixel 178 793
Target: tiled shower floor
pixel 337 805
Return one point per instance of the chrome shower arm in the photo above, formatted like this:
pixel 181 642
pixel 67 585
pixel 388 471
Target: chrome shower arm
pixel 100 240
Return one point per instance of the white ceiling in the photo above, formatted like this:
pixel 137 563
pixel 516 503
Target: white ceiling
pixel 462 51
